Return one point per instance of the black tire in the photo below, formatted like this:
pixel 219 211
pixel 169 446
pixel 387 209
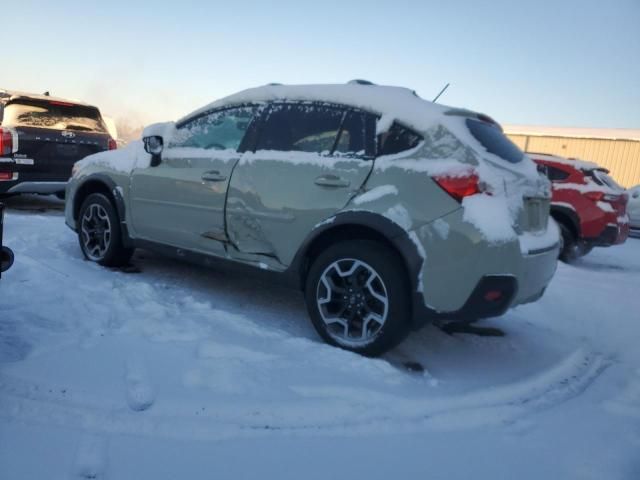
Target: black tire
pixel 571 248
pixel 376 261
pixel 110 252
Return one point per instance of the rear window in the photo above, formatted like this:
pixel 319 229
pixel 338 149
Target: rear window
pixel 602 178
pixel 491 137
pixel 57 116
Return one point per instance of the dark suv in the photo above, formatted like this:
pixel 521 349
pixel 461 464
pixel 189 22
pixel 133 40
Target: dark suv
pixel 41 137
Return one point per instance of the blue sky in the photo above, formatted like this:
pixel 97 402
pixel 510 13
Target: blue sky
pixel 571 63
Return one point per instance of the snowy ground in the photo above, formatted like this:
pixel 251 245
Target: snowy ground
pixel 182 372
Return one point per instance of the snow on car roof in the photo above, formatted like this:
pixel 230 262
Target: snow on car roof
pixel 574 162
pixel 8 95
pixel 400 103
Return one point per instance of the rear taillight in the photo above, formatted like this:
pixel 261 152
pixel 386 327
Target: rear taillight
pixel 595 196
pixel 112 144
pixel 6 142
pixel 460 186
pixel 6 176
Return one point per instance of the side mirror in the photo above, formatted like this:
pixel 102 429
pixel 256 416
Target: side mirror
pixel 6 259
pixel 154 146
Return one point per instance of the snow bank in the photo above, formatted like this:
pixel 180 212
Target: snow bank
pixel 236 367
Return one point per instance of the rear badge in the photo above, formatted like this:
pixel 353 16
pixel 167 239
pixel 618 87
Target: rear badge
pixel 68 134
pixel 24 161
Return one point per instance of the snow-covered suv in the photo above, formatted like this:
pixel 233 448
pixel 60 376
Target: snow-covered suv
pixel 588 205
pixel 386 209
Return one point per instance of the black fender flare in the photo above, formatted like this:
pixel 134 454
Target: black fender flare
pixel 385 228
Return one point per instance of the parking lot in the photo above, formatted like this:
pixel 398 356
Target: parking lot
pixel 170 368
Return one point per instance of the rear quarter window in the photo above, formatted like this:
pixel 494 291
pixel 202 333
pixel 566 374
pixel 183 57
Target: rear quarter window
pixel 397 139
pixel 491 137
pixel 555 174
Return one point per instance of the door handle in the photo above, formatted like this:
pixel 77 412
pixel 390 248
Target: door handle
pixel 332 181
pixel 213 176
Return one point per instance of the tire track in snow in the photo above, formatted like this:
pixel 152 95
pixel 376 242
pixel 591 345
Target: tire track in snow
pixel 317 410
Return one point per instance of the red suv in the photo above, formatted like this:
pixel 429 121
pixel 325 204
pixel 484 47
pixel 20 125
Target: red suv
pixel 588 205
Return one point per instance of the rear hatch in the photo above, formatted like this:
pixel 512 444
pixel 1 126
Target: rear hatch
pixel 612 193
pixel 52 136
pixel 515 174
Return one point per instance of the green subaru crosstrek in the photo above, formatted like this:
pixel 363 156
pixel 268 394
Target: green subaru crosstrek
pixel 387 210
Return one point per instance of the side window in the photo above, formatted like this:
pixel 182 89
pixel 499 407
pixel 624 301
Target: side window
pixel 357 136
pixel 221 130
pixel 397 139
pixel 555 174
pixel 301 128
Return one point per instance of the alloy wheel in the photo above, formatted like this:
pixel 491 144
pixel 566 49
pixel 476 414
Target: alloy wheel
pixel 96 232
pixel 353 301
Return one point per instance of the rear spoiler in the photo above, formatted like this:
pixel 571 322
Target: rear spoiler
pixel 462 112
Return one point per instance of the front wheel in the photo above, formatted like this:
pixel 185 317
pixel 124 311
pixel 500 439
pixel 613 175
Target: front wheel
pixel 357 295
pixel 100 234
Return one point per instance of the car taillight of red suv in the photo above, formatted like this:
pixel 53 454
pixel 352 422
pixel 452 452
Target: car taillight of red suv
pixel 588 205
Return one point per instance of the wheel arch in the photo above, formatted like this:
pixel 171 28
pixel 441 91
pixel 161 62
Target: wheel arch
pixel 359 225
pixel 567 217
pixel 103 184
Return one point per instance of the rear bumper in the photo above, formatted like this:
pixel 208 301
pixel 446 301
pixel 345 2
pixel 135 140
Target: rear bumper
pixel 464 277
pixel 611 235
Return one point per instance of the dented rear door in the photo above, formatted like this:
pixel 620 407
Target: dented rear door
pixel 309 160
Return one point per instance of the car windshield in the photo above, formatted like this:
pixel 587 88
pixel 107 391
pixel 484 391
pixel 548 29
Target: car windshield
pixel 53 115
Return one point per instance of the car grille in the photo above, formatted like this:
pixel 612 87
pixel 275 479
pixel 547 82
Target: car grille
pixel 535 215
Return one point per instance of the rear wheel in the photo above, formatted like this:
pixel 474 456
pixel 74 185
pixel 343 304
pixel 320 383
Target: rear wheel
pixel 100 234
pixel 357 295
pixel 571 248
